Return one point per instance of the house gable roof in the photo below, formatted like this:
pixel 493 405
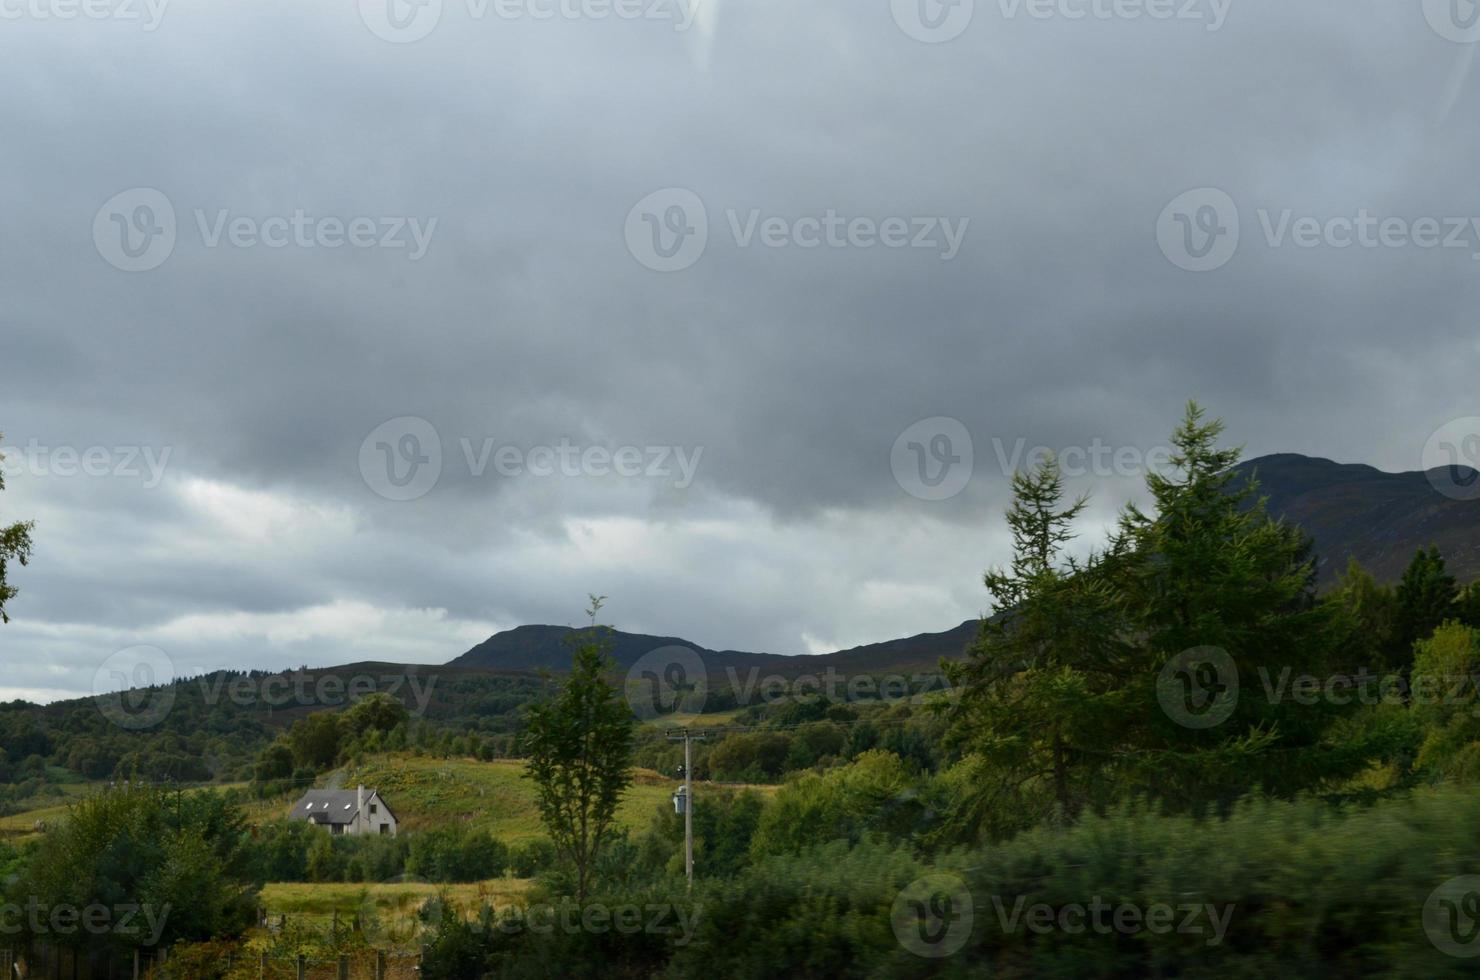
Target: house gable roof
pixel 381 799
pixel 329 806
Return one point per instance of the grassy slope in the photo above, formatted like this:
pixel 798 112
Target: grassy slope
pixel 495 796
pixel 423 792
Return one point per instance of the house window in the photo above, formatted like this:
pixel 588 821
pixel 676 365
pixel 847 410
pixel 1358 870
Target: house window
pixel 385 828
pixel 374 808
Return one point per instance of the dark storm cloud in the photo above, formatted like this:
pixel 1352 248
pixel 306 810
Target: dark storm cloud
pixel 1053 143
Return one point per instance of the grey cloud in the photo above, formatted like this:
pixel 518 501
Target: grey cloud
pixel 1060 322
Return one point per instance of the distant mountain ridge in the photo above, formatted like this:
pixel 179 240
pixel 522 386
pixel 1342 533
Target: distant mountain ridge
pixel 1349 509
pixel 1352 510
pixel 536 647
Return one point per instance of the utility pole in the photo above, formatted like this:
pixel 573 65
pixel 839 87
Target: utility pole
pixel 688 803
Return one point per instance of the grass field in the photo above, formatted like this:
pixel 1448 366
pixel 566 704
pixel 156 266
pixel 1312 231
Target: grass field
pixel 347 899
pixel 20 826
pixel 394 906
pixel 423 792
pixel 495 796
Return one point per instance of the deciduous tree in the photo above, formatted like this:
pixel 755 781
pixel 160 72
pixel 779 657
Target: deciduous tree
pixel 15 546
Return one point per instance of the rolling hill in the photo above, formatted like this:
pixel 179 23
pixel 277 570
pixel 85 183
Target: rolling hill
pixel 1350 510
pixel 535 647
pixel 1381 519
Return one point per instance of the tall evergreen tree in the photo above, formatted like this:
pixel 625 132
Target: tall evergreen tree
pixel 1370 610
pixel 1426 598
pixel 1042 684
pixel 579 744
pixel 1164 666
pixel 1222 599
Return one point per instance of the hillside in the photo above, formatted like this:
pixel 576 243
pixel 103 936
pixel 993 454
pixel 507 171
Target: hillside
pixel 1381 519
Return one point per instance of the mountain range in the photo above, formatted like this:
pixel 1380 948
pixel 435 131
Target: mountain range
pixel 1350 511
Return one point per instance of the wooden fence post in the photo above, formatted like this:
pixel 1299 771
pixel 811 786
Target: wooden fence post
pixel 343 967
pixel 262 965
pixel 302 968
pixel 380 964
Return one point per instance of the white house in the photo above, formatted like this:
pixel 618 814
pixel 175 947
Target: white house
pixel 346 811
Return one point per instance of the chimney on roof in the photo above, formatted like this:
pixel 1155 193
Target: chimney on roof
pixel 360 799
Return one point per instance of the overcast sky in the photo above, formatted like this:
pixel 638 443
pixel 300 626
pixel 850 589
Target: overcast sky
pixel 334 332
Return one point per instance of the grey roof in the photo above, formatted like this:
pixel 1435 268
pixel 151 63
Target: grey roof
pixel 328 805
